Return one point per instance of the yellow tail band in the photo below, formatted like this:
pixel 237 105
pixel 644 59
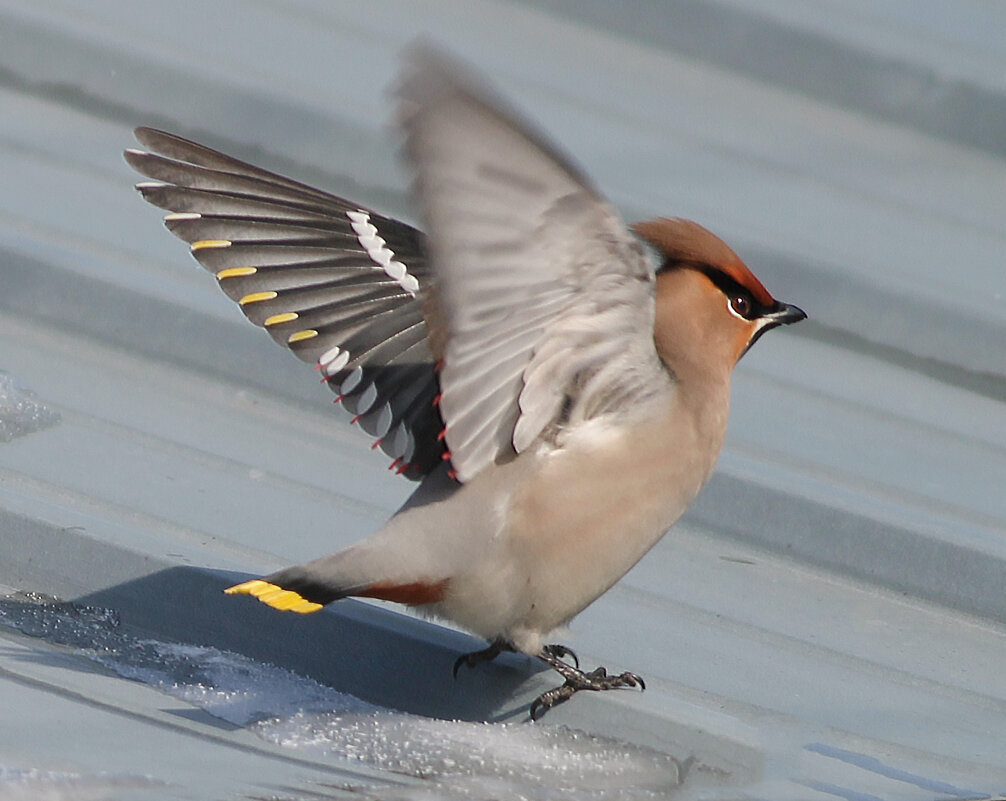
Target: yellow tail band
pixel 276 597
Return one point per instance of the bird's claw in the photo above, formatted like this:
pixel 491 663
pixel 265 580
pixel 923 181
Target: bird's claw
pixel 555 656
pixel 561 652
pixel 576 680
pixel 476 658
pixel 547 700
pixel 597 679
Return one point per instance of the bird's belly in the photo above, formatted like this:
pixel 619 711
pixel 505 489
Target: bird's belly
pixel 576 523
pixel 581 539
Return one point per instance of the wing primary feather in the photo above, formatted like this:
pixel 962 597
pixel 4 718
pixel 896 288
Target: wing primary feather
pixel 176 148
pixel 335 282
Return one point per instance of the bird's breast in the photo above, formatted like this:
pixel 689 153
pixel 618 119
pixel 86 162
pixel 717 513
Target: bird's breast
pixel 591 509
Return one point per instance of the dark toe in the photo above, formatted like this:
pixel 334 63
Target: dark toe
pixel 561 652
pixel 551 698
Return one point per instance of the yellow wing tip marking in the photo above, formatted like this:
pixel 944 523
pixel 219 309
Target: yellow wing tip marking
pixel 236 272
pixel 300 336
pixel 205 244
pixel 278 319
pixel 182 215
pixel 257 297
pixel 276 597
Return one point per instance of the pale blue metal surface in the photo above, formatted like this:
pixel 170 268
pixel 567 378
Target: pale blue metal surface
pixel 830 619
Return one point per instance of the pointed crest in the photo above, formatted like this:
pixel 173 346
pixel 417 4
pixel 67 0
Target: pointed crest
pixel 688 243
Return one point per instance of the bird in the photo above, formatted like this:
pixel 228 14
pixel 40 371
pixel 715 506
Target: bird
pixel 556 380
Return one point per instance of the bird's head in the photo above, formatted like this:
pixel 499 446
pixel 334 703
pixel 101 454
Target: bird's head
pixel 710 308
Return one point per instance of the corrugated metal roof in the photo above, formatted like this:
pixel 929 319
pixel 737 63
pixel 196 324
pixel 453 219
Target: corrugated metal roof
pixel 829 618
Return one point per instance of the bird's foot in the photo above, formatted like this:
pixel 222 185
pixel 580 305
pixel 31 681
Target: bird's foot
pixel 476 658
pixel 576 680
pixel 561 652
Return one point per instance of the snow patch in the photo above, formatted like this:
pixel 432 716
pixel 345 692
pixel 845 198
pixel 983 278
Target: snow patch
pixel 455 760
pixel 36 785
pixel 481 760
pixel 21 412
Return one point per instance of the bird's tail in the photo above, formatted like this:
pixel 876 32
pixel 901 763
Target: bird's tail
pixel 302 588
pixel 307 588
pixel 275 595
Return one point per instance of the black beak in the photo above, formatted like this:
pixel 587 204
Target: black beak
pixel 784 314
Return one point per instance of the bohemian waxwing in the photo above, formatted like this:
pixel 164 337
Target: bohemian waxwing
pixel 559 384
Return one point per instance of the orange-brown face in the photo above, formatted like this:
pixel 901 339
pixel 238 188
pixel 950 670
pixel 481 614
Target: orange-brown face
pixel 710 308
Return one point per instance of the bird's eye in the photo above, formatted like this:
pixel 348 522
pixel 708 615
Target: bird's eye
pixel 741 305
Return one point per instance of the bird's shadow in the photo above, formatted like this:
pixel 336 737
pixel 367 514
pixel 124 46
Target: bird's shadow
pixel 378 655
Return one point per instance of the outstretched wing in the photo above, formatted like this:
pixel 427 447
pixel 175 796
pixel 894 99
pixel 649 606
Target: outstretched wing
pixel 547 298
pixel 338 284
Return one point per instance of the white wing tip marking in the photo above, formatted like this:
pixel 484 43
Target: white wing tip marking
pixel 379 252
pixel 363 229
pixel 333 360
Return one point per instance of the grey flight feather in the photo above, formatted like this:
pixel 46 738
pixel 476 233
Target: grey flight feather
pixel 541 300
pixel 548 298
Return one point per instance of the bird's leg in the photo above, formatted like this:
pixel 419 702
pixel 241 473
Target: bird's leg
pixel 476 658
pixel 576 680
